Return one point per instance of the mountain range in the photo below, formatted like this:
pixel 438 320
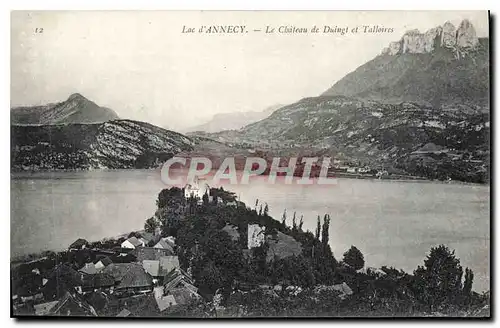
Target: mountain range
pixel 231 121
pixel 420 107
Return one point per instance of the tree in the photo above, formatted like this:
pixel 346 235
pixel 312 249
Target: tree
pixel 283 218
pixel 469 278
pixel 205 199
pixel 266 210
pixel 354 258
pixel 318 228
pixel 301 222
pixel 151 224
pixel 326 226
pixel 439 282
pixel 294 221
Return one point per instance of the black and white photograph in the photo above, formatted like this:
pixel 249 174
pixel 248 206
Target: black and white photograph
pixel 250 164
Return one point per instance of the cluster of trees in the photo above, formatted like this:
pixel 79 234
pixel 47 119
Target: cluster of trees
pixel 220 263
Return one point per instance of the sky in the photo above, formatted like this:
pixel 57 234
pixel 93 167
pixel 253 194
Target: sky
pixel 140 64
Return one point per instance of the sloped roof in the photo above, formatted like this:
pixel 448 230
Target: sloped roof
pixel 163 301
pixel 168 263
pixel 77 301
pixel 129 275
pixel 165 244
pixel 182 295
pixel 124 313
pixel 148 236
pixel 150 253
pixel 79 243
pixel 64 273
pixel 117 270
pixel 152 267
pixel 105 261
pixel 178 278
pixel 135 277
pixel 134 241
pixel 98 280
pixel 88 268
pixel 44 308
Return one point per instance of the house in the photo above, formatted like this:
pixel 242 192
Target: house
pixel 44 308
pixel 88 268
pixel 163 301
pixel 177 289
pixel 79 244
pixel 163 243
pixel 62 279
pixel 150 253
pixel 195 189
pixel 98 299
pixel 147 236
pixel 160 268
pixel 96 282
pixel 72 305
pixel 352 170
pixel 103 262
pixel 129 277
pixel 170 240
pixel 152 267
pixel 256 236
pixel 167 264
pixel 132 243
pixel 124 313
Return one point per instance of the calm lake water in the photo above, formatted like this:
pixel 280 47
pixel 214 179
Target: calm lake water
pixel 392 223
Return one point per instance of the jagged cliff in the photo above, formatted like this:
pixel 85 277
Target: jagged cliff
pixel 459 40
pixel 118 144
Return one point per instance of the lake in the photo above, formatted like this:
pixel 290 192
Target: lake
pixel 393 223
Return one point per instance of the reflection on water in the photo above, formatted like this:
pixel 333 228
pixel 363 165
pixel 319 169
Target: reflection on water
pixel 392 223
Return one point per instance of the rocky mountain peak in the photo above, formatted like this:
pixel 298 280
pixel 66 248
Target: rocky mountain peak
pixel 446 36
pixel 76 96
pixel 466 35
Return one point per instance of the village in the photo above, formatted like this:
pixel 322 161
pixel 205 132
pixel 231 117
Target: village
pixel 215 257
pixel 137 276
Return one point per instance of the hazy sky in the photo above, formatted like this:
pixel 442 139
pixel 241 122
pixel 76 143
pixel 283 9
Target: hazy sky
pixel 142 66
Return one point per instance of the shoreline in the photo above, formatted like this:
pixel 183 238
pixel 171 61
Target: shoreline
pixel 25 174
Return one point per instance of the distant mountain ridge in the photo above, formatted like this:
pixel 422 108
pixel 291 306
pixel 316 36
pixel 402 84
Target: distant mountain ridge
pixel 232 121
pixel 76 109
pixel 388 111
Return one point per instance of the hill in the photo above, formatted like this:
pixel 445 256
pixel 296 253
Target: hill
pixel 232 121
pixel 117 144
pixel 76 109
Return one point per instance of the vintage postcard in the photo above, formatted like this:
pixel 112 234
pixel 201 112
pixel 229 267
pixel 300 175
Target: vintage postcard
pixel 215 164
